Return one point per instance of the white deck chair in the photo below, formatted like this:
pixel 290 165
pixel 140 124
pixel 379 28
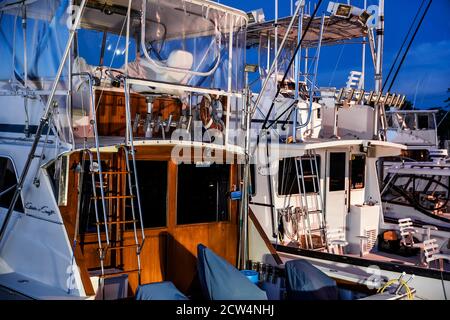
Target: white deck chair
pixel 407 231
pixel 178 59
pixel 431 253
pixel 336 240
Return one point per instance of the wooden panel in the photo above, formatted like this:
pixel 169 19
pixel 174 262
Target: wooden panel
pixel 169 253
pixel 221 237
pixel 111 112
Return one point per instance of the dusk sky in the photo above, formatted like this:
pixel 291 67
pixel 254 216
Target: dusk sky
pixel 425 75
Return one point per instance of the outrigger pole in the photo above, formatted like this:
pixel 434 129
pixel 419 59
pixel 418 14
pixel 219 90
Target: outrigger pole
pixel 43 122
pixel 379 65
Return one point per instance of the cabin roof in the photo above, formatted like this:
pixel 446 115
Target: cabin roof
pixel 337 30
pixel 384 148
pixel 173 18
pixel 411 111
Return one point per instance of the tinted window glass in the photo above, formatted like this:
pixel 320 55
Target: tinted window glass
pixel 422 121
pixel 287 176
pixel 152 177
pixel 7 181
pixel 202 193
pixel 358 168
pixel 337 171
pixel 252 180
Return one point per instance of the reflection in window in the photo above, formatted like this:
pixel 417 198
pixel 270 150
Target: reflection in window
pixel 410 121
pixel 337 171
pixel 358 169
pixel 287 176
pixel 202 193
pixel 8 180
pixel 114 54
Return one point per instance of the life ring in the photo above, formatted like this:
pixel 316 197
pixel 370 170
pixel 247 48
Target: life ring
pixel 211 112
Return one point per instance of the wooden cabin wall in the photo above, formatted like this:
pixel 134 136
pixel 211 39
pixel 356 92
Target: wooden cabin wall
pixel 111 111
pixel 169 253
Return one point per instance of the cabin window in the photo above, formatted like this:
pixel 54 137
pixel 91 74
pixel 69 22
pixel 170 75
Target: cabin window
pixel 425 121
pixel 287 176
pixel 252 180
pixel 8 180
pixel 358 169
pixel 337 171
pixel 152 179
pixel 410 121
pixel 202 193
pixel 390 120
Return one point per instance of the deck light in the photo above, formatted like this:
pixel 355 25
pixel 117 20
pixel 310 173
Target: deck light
pixel 251 68
pixel 363 17
pixel 256 16
pixel 339 9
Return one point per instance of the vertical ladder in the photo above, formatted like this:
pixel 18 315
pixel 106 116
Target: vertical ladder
pixel 105 244
pixel 111 222
pixel 316 207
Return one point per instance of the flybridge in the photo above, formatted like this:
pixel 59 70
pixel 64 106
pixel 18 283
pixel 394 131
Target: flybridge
pixel 340 29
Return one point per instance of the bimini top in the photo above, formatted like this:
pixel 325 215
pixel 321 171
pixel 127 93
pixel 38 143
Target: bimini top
pixel 337 30
pixel 173 18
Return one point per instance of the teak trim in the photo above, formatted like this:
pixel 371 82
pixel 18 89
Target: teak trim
pixel 263 235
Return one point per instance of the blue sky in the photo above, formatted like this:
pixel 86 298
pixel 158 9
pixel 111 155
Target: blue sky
pixel 425 75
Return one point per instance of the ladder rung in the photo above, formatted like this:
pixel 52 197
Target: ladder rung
pixel 112 275
pixel 310 176
pixel 112 197
pixel 118 222
pixel 314 211
pixel 122 247
pixel 110 172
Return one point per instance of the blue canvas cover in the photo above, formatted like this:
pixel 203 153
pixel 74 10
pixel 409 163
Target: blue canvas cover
pixel 306 282
pixel 222 281
pixel 165 290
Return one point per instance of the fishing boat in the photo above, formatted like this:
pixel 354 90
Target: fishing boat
pixel 127 136
pixel 314 180
pixel 415 185
pixel 118 153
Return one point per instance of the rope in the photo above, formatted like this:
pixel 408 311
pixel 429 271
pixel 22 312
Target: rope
pixel 402 284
